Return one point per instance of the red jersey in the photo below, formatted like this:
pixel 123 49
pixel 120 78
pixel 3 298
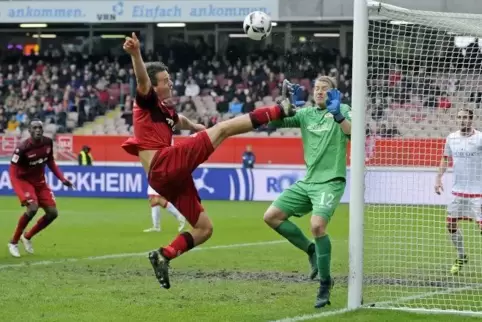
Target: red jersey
pixel 154 121
pixel 28 164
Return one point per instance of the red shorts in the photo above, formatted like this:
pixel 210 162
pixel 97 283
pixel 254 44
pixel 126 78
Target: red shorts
pixel 171 173
pixel 39 192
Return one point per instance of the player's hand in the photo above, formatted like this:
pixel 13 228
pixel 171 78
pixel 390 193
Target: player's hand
pixel 132 45
pixel 67 183
pixel 28 203
pixel 439 187
pixel 198 127
pixel 333 104
pixel 296 92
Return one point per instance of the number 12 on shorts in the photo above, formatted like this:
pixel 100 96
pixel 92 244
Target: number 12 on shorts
pixel 326 200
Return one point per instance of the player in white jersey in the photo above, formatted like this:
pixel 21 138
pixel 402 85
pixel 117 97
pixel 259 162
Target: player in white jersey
pixel 464 147
pixel 156 201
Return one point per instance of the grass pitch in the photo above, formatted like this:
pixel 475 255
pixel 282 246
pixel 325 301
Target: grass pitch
pixel 91 265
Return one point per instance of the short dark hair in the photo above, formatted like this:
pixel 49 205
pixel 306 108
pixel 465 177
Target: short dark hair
pixel 153 68
pixel 469 111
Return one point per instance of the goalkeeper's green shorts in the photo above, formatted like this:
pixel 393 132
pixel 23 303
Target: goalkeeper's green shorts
pixel 319 198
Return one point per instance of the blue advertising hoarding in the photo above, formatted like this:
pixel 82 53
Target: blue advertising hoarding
pixel 382 186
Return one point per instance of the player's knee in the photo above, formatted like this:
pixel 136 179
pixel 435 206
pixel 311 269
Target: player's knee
pixel 273 217
pixel 203 229
pixel 452 225
pixel 318 226
pixel 52 213
pixel 452 228
pixel 32 210
pixel 208 232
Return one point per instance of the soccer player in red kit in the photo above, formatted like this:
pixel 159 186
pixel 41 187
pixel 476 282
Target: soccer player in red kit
pixel 27 174
pixel 169 168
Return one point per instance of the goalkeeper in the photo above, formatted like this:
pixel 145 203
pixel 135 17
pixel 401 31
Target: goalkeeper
pixel 325 131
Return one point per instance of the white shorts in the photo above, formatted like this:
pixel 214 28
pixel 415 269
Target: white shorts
pixel 465 208
pixel 151 192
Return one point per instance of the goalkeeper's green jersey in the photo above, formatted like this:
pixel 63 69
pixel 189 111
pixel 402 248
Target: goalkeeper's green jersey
pixel 324 143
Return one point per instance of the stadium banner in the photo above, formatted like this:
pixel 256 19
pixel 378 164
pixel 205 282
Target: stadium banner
pixel 269 151
pixel 383 186
pixel 138 11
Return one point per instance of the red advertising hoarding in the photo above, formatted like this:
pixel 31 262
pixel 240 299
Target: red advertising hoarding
pixel 386 152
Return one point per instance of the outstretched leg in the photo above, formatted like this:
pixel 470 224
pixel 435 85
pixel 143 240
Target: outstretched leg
pixel 245 123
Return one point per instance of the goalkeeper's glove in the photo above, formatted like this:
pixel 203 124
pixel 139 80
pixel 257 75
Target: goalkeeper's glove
pixel 333 104
pixel 296 92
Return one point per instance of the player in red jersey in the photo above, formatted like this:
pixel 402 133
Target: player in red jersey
pixel 169 167
pixel 27 174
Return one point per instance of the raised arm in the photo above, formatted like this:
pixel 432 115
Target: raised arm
pixel 133 47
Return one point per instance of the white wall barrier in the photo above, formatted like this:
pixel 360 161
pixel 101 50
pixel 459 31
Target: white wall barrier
pixel 383 185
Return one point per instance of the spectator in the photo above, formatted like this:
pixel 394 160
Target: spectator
pixel 249 158
pixel 444 102
pixel 13 124
pixel 192 89
pixel 235 107
pixel 85 157
pixel 189 111
pixel 382 132
pixel 21 117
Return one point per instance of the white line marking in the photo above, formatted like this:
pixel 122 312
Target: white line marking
pixel 314 316
pixel 384 305
pixel 126 255
pixel 428 294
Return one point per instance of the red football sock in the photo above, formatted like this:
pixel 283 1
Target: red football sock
pixel 265 115
pixel 180 245
pixel 21 225
pixel 41 224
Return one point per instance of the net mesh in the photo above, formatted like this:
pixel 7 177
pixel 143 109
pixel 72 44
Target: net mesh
pixel 423 68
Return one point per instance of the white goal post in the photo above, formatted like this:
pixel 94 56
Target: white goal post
pixel 413 71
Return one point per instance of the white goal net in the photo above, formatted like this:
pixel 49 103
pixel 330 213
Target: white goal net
pixel 423 68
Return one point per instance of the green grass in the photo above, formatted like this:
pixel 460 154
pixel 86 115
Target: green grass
pixel 407 255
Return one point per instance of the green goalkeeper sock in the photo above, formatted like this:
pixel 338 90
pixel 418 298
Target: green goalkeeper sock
pixel 294 235
pixel 323 256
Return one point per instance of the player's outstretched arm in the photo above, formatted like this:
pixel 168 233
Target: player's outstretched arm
pixel 132 46
pixel 185 124
pixel 55 168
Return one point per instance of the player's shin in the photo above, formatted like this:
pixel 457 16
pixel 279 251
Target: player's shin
pixel 156 216
pixel 42 223
pixel 323 256
pixel 21 225
pixel 181 244
pixel 294 235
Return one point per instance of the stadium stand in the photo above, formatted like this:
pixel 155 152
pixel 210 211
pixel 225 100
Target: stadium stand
pixel 88 95
pixel 93 95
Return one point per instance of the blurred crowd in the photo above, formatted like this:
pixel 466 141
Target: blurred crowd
pixel 67 91
pixel 207 87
